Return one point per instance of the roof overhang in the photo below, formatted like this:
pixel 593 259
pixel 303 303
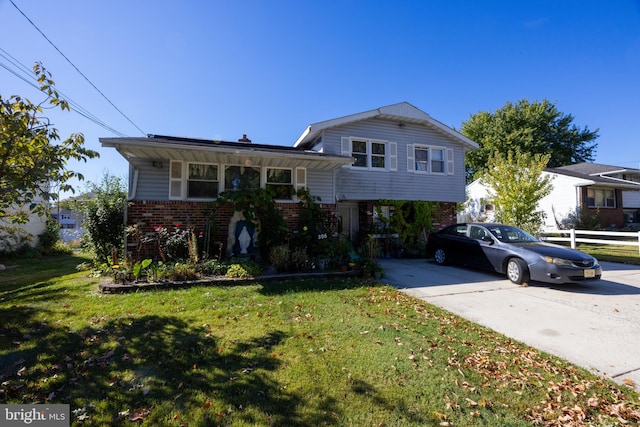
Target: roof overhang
pixel 139 150
pixel 599 179
pixel 403 113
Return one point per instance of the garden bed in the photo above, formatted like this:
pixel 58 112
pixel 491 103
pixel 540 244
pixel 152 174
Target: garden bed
pixel 109 285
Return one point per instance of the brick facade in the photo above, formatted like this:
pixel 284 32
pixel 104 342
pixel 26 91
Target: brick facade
pixel 609 217
pixel 147 215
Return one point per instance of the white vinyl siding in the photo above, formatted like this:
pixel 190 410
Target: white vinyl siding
pixel 401 182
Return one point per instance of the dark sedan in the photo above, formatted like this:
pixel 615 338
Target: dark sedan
pixel 511 251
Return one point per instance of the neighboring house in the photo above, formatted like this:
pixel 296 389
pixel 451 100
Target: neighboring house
pixel 610 192
pixel 70 224
pixel 351 163
pixel 67 218
pixel 35 225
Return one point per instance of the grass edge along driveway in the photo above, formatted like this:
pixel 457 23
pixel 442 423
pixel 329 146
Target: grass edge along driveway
pixel 295 353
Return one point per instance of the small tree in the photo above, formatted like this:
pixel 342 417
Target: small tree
pixel 30 158
pixel 516 186
pixel 104 218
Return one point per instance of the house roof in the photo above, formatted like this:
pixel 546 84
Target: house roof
pixel 402 113
pixel 160 147
pixel 602 175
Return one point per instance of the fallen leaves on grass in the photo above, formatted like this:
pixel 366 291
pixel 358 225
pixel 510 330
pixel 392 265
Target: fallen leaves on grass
pixel 570 400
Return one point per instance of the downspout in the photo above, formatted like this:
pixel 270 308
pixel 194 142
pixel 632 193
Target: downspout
pixel 134 184
pixel 133 187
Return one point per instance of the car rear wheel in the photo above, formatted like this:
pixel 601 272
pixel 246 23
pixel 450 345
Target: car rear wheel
pixel 440 256
pixel 517 271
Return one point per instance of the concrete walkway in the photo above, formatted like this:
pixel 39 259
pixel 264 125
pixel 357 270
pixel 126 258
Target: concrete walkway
pixel 595 325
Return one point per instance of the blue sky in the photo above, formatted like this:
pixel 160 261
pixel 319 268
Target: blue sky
pixel 268 69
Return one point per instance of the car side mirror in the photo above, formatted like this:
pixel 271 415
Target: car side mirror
pixel 487 239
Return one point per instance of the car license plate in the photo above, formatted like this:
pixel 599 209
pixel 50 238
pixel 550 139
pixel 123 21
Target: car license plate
pixel 589 273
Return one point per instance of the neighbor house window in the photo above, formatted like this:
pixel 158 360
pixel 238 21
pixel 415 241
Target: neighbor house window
pixel 241 178
pixel 280 183
pixel 601 198
pixel 427 159
pixel 371 154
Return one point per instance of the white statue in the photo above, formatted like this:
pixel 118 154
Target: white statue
pixel 244 239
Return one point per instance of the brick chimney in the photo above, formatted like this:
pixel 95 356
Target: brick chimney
pixel 244 139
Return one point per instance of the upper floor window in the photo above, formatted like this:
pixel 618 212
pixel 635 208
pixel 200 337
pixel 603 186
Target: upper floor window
pixel 601 198
pixel 371 154
pixel 428 159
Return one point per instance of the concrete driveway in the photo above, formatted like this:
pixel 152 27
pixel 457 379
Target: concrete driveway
pixel 595 325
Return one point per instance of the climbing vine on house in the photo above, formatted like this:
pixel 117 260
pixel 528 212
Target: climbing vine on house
pixel 410 220
pixel 315 227
pixel 260 209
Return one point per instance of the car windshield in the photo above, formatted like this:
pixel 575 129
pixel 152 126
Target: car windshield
pixel 509 234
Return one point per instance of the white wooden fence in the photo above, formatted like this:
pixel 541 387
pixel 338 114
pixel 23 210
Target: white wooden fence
pixel 626 238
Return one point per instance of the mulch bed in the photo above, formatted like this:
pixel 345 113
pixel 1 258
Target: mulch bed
pixel 109 286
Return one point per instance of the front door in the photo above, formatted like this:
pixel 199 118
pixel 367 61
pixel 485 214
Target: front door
pixel 348 213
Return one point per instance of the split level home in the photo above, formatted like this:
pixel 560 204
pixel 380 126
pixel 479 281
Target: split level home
pixel 612 193
pixel 350 164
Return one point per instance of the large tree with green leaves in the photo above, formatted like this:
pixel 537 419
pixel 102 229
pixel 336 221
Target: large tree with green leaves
pixel 516 185
pixel 32 157
pixel 529 127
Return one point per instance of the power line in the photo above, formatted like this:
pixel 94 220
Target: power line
pixel 29 78
pixel 76 68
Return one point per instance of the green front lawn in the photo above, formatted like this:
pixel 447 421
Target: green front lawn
pixel 296 353
pixel 613 253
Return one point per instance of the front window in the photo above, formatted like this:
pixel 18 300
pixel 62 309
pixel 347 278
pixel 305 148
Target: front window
pixel 601 198
pixel 241 178
pixel 202 181
pixel 280 183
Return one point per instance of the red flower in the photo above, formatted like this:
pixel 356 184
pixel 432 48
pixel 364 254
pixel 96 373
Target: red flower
pixel 177 225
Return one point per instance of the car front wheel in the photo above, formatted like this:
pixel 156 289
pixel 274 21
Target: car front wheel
pixel 440 256
pixel 517 271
